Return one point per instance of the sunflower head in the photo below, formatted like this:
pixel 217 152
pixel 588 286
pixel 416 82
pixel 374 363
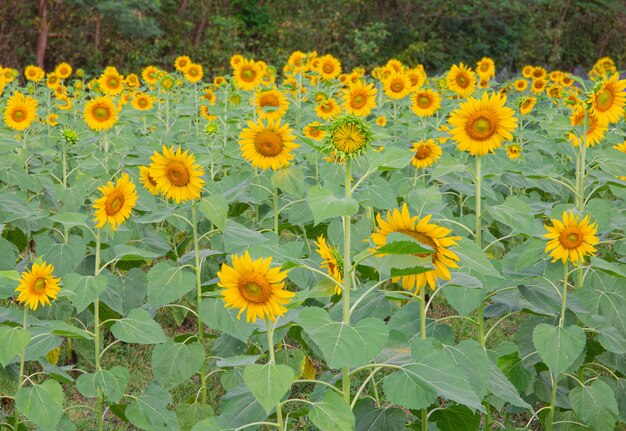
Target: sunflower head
pixel 425 153
pixel 37 286
pixel 424 103
pixel 116 203
pixel 513 151
pixel 332 261
pixel 176 174
pixel 571 239
pixel 608 99
pixel 70 136
pixel 349 137
pixel 20 111
pixel 315 131
pixel 100 113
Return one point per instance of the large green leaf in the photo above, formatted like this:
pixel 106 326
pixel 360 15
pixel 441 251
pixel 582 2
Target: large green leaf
pixel 595 405
pixel 504 389
pixel 82 290
pixel 215 208
pixel 213 314
pixel 268 383
pixel 474 260
pixel 456 418
pixel 344 345
pixel 149 411
pixel 111 382
pixel 558 347
pixel 138 328
pixel 191 414
pixel 289 179
pixel 473 360
pixel 332 413
pixel 42 404
pixel 167 283
pixel 325 205
pixel 514 213
pixel 398 243
pixel 371 418
pixel 13 340
pixel 64 257
pixel 173 363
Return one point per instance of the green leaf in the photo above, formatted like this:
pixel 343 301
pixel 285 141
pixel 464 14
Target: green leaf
pixel 473 258
pixel 190 414
pixel 13 340
pixel 70 219
pixel 41 403
pixel 213 313
pixel 174 363
pixel 558 347
pixel 514 213
pixel 504 389
pixel 324 205
pixel 215 208
pixel 595 405
pixel 370 418
pixel 391 158
pixel 473 360
pixel 344 345
pixel 289 179
pixel 268 383
pixel 167 283
pixel 149 411
pixel 456 418
pixel 138 328
pixel 9 253
pixel 64 257
pixel 332 413
pixel 463 297
pixel 111 382
pixel 609 268
pixel 83 290
pixel 128 252
pixel 398 243
pixel 513 368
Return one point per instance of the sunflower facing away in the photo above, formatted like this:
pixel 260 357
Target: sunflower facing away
pixel 271 104
pixel 37 286
pixel 20 111
pixel 425 233
pixel 461 80
pixel 607 102
pixel 571 239
pixel 176 174
pixel 100 113
pixel 267 146
pixel 425 153
pixel 425 103
pixel 251 285
pixel 331 261
pixel 359 99
pixel 349 137
pixel 596 128
pixel 147 181
pixel 116 203
pixel 481 125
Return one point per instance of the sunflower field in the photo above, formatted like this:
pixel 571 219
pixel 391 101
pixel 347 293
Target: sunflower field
pixel 312 248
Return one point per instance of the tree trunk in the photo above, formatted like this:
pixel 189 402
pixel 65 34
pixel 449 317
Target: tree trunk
pixel 42 36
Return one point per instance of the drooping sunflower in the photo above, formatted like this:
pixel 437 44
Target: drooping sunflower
pixel 267 146
pixel 38 286
pixel 313 130
pixel 429 234
pixel 527 104
pixel 521 85
pixel 204 113
pixel 147 181
pixel 111 82
pixel 461 80
pixel 194 73
pixel 327 109
pixel 537 86
pixel 251 285
pixel 34 73
pixel 52 119
pixel 247 75
pixel 570 239
pixel 397 85
pixel 116 203
pixel 150 75
pixel 328 67
pixel 554 91
pixel 182 63
pixel 349 137
pixel 607 102
pixel 176 174
pixel 417 76
pixel 332 261
pixel 596 127
pixel 487 67
pixel 425 153
pixel 100 113
pixel 513 151
pixel 481 125
pixel 425 103
pixel 359 99
pixel 621 147
pixel 20 111
pixel 271 104
pixel 64 70
pixel 142 102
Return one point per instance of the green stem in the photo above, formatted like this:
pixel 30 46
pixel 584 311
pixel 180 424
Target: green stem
pixel 270 346
pixel 580 182
pixel 564 296
pixel 422 294
pixel 276 210
pixel 64 164
pixel 96 321
pixel 194 226
pixel 552 401
pixel 347 276
pixel 20 382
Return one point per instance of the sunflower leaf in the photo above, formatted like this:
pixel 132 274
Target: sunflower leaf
pixel 268 383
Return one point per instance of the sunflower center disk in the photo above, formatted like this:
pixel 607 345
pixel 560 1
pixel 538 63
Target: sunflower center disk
pixel 268 143
pixel 462 81
pixel 114 83
pixel 39 285
pixel 481 128
pixel 422 152
pixel 397 86
pixel 348 139
pixel 423 101
pixel 101 113
pixel 359 100
pixel 114 203
pixel 328 68
pixel 571 237
pixel 177 173
pixel 255 288
pixel 422 239
pixel 18 115
pixel 269 101
pixel 604 100
pixel 248 75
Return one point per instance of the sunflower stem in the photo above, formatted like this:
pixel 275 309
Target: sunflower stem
pixel 96 329
pixel 552 401
pixel 564 295
pixel 270 346
pixel 422 299
pixel 347 279
pixel 276 210
pixel 194 227
pixel 20 381
pixel 64 164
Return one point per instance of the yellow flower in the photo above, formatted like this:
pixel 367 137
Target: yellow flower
pixel 111 82
pixel 328 66
pixel 20 111
pixel 194 73
pixel 521 85
pixel 142 102
pixel 428 234
pixel 461 80
pixel 147 181
pixel 481 125
pixel 247 75
pixel 596 127
pixel 397 85
pixel 328 109
pixel 52 119
pixel 417 76
pixel 251 285
pixel 150 75
pixel 182 63
pixel 116 203
pixel 235 60
pixel 132 80
pixel 425 103
pixel 271 104
pixel 486 67
pixel 381 121
pixel 313 131
pixel 349 137
pixel 37 286
pixel 267 146
pixel 513 151
pixel 331 262
pixel 53 81
pixel 538 73
pixel 538 86
pixel 64 70
pixel 425 153
pixel 204 113
pixel 571 239
pixel 527 104
pixel 527 71
pixel 359 99
pixel 176 174
pixel 100 113
pixel 34 73
pixel 621 147
pixel 607 102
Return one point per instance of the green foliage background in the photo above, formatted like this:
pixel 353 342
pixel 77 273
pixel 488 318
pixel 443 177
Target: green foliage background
pixel 563 34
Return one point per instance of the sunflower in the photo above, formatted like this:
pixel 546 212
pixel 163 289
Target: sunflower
pixel 52 119
pixel 182 63
pixel 607 102
pixel 621 147
pixel 34 73
pixel 132 80
pixel 111 82
pixel 397 85
pixel 235 60
pixel 527 104
pixel 521 85
pixel 176 174
pixel 167 82
pixel 267 146
pixel 513 151
pixel 596 127
pixel 425 233
pixel 271 104
pixel 566 80
pixel 527 71
pixel 328 67
pixel 328 109
pixel 64 70
pixel 150 75
pixel 142 102
pixel 425 153
pixel 116 203
pixel 417 76
pixel 481 125
pixel 313 130
pixel 252 285
pixel 349 137
pixel 53 81
pixel 395 65
pixel 147 181
pixel 381 121
pixel 331 261
pixel 538 73
pixel 538 86
pixel 425 103
pixel 194 73
pixel 247 75
pixel 486 67
pixel 571 239
pixel 461 80
pixel 20 111
pixel 359 99
pixel 37 286
pixel 100 113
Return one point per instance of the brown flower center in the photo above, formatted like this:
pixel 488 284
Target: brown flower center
pixel 248 75
pixel 526 103
pixel 114 203
pixel 177 173
pixel 113 82
pixel 328 68
pixel 604 100
pixel 268 143
pixel 423 101
pixel 101 113
pixel 423 152
pixel 482 127
pixel 18 115
pixel 358 100
pixel 422 239
pixel 269 100
pixel 255 288
pixel 397 86
pixel 571 237
pixel 462 81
